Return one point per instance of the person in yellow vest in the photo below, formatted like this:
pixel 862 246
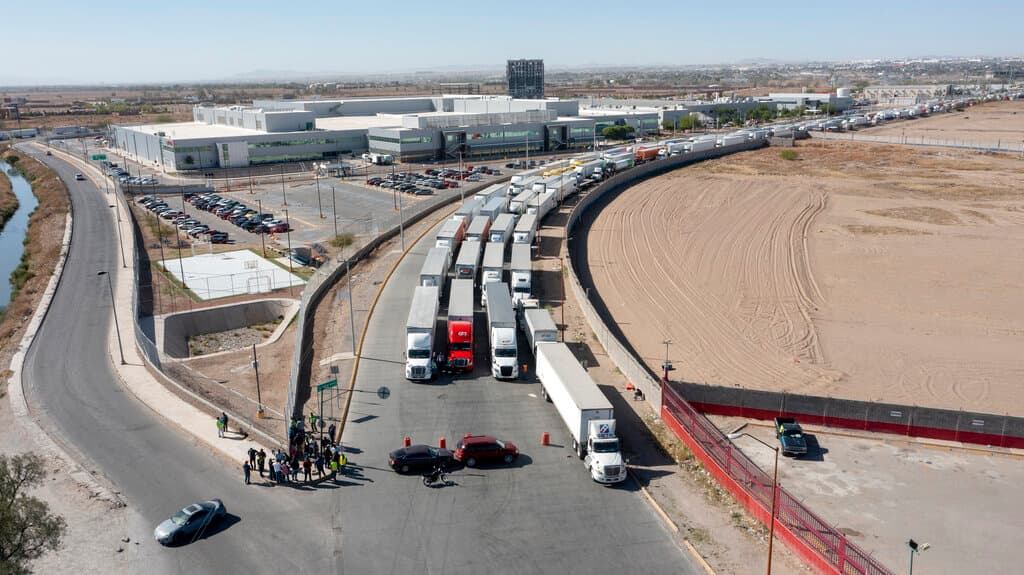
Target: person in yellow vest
pixel 334 470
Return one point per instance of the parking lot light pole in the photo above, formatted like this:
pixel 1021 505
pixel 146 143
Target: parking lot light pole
pixel 113 306
pixel 318 202
pixel 263 236
pixel 334 205
pixel 775 490
pixel 284 193
pixel 259 399
pixel 288 224
pixel 915 548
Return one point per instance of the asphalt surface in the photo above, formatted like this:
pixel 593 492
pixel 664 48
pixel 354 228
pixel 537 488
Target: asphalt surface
pixel 543 514
pixel 72 387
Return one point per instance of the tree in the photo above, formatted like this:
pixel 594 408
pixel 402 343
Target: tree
pixel 27 528
pixel 690 122
pixel 617 132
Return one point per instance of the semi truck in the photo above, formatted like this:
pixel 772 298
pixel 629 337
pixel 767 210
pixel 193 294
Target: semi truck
pixel 539 327
pixel 419 334
pixel 584 410
pixel 618 162
pixel 589 169
pixel 525 230
pixel 674 148
pixel 502 228
pixel 451 234
pixel 702 144
pixel 731 139
pixel 501 331
pixel 562 186
pixel 523 184
pixel 541 204
pixel 468 260
pixel 521 271
pixel 478 229
pixel 495 207
pixel 646 154
pixel 435 268
pixel 379 159
pixel 491 192
pixel 460 326
pixel 493 268
pixel 468 210
pixel 518 203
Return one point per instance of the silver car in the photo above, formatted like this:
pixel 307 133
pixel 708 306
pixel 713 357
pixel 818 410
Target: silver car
pixel 189 523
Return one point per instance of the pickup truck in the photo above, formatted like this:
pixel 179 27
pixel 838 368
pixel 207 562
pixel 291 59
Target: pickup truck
pixel 791 436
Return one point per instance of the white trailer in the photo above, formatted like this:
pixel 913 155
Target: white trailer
pixel 492 269
pixel 563 186
pixel 524 183
pixel 589 169
pixel 469 209
pixel 522 272
pixel 526 229
pixel 619 162
pixel 435 268
pixel 502 228
pixel 518 203
pixel 501 332
pixel 468 260
pixel 675 148
pixel 451 233
pixel 539 327
pixel 494 207
pixel 541 204
pixel 731 139
pixel 584 410
pixel 478 229
pixel 491 192
pixel 701 145
pixel 419 334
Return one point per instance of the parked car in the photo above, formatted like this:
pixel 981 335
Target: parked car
pixel 79 177
pixel 219 238
pixel 476 449
pixel 198 230
pixel 189 522
pixel 419 457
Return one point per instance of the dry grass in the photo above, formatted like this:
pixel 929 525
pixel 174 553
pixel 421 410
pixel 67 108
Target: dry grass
pixel 978 215
pixel 42 248
pixel 924 214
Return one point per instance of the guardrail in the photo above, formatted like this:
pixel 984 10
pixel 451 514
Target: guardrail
pixel 814 540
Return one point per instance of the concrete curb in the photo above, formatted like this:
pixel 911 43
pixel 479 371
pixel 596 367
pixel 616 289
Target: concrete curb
pixel 156 393
pixel 671 524
pixel 369 315
pixel 16 389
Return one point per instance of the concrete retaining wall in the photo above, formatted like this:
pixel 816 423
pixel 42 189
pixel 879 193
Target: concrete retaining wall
pixel 174 330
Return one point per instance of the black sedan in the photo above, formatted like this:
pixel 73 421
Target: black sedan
pixel 418 458
pixel 189 523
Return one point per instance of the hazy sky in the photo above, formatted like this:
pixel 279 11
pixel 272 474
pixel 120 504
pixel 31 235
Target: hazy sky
pixel 116 41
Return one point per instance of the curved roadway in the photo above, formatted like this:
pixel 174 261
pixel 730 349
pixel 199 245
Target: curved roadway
pixel 71 387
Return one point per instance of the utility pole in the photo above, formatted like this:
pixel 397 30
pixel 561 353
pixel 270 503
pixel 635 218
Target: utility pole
pixel 287 223
pixel 284 192
pixel 334 205
pixel 263 240
pixel 318 202
pixel 401 222
pixel 259 398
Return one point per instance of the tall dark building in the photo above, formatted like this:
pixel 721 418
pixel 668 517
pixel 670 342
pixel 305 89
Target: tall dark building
pixel 525 79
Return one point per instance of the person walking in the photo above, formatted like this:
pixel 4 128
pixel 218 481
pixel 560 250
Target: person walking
pixel 331 430
pixel 307 470
pixel 312 422
pixel 276 469
pixel 246 471
pixel 294 467
pixel 224 418
pixel 252 458
pixel 261 459
pixel 285 472
pixel 319 466
pixel 334 471
pixel 220 428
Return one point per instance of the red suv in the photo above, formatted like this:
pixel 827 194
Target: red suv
pixel 474 449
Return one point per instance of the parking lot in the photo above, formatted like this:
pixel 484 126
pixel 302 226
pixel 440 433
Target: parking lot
pixel 883 490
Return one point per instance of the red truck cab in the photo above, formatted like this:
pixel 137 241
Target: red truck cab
pixel 460 345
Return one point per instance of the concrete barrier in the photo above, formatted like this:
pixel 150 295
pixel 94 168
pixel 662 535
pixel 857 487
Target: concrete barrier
pixel 173 330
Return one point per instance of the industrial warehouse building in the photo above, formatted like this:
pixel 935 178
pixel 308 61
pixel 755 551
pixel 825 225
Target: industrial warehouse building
pixel 416 128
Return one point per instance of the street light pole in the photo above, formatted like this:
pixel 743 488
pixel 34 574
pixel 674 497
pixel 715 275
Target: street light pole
pixel 775 490
pixel 667 366
pixel 263 240
pixel 259 399
pixel 401 221
pixel 113 306
pixel 284 193
pixel 334 206
pixel 318 202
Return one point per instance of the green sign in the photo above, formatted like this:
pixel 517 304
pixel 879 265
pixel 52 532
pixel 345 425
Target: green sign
pixel 99 156
pixel 327 385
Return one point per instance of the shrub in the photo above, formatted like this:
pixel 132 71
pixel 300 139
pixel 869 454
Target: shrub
pixel 788 155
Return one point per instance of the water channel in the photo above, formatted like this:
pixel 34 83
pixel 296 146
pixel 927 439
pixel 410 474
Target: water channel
pixel 11 246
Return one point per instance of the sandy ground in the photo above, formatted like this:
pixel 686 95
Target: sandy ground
pixel 861 271
pixel 995 124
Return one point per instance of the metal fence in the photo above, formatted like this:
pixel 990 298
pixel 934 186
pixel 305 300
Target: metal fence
pixel 799 522
pixel 911 420
pixel 809 535
pixel 997 145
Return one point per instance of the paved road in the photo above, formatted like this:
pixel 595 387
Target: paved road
pixel 70 383
pixel 543 515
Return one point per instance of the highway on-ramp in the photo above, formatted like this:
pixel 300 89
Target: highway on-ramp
pixel 72 388
pixel 541 515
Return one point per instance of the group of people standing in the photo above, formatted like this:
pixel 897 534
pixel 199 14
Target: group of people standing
pixel 305 455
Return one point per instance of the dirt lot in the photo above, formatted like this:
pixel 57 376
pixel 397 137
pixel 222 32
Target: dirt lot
pixel 995 124
pixel 862 271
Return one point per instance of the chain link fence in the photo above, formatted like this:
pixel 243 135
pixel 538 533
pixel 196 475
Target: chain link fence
pixel 997 145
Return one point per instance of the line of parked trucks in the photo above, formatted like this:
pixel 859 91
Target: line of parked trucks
pixel 484 253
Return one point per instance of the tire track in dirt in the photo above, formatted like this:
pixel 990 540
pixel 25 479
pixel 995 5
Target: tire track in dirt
pixel 720 267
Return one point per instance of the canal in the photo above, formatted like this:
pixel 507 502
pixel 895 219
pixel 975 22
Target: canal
pixel 13 235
